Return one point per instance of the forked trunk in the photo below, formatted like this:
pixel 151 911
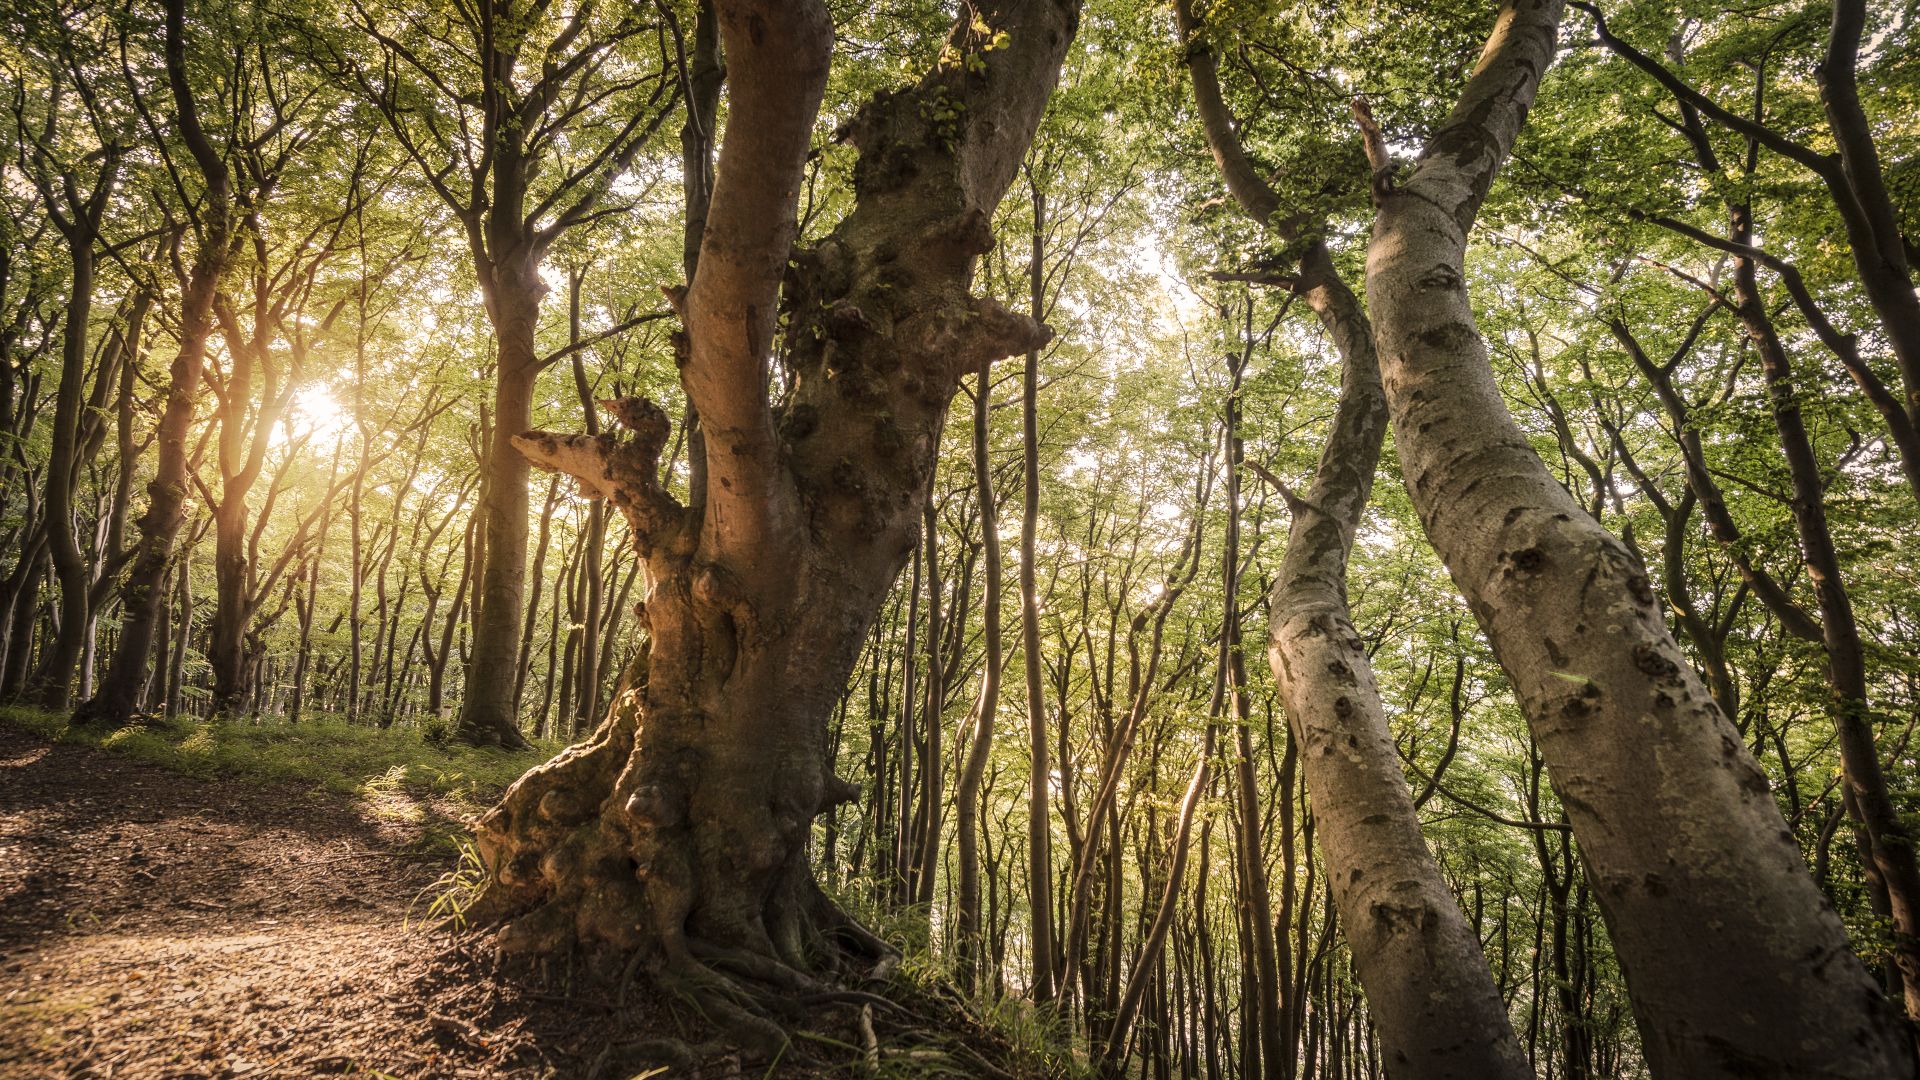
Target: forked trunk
pixel 680 829
pixel 1428 986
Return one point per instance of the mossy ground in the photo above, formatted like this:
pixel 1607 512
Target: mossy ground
pixel 396 771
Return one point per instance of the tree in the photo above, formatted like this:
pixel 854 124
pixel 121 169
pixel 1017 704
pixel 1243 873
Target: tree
pixel 484 129
pixel 1413 948
pixel 1671 812
pixel 207 197
pixel 681 827
pixel 76 184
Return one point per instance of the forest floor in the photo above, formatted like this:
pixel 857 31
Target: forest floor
pixel 160 925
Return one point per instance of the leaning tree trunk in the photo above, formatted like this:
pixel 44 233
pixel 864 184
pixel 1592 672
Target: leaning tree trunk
pixel 1427 981
pixel 680 829
pixel 1431 994
pixel 53 682
pixel 1699 880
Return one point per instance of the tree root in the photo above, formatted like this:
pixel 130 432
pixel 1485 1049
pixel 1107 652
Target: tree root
pixel 729 1005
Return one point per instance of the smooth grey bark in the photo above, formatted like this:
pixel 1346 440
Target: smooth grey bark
pixel 1427 981
pixel 1701 884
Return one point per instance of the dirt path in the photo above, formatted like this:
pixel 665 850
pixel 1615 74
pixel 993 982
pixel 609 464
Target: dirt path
pixel 155 925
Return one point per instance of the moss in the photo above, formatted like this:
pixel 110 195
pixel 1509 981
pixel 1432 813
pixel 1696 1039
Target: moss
pixel 390 768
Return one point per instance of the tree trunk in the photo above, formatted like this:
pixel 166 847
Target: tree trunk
pixel 586 713
pixel 923 835
pixel 1263 977
pixel 174 682
pixel 1696 873
pixel 227 633
pixel 537 578
pixel 78 221
pixel 143 591
pixel 680 828
pixel 487 713
pixel 968 798
pixel 52 684
pixel 1113 1043
pixel 1039 773
pixel 1861 196
pixel 1426 978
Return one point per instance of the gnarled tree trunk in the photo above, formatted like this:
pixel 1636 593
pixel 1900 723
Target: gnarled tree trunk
pixel 681 827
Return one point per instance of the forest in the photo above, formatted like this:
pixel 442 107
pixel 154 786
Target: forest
pixel 1287 539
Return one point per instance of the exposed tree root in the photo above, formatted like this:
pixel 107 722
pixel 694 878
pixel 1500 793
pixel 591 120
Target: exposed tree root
pixel 596 853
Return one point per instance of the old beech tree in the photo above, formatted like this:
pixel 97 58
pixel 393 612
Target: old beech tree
pixel 681 827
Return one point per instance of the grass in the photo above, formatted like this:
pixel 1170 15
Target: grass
pixel 393 770
pixel 1031 1040
pixel 396 773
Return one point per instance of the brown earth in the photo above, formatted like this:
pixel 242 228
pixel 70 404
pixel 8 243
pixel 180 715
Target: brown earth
pixel 157 925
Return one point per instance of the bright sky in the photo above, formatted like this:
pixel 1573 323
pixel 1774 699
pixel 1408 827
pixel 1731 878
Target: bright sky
pixel 315 410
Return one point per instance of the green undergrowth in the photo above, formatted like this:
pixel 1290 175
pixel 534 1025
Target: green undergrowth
pixel 393 772
pixel 1019 1037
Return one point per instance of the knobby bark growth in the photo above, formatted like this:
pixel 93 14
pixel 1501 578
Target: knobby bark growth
pixel 680 828
pixel 1700 882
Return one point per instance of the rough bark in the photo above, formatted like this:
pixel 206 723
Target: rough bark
pixel 1693 867
pixel 680 828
